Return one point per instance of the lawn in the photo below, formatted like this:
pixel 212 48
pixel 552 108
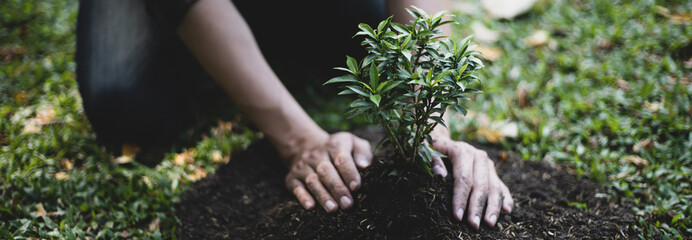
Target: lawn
pixel 598 88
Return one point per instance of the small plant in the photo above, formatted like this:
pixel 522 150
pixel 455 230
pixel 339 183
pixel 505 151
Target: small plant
pixel 408 79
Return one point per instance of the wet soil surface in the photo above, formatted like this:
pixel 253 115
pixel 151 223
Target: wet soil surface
pixel 246 199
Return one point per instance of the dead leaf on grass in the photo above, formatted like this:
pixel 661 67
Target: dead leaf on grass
pixel 489 135
pixel 44 116
pixel 491 54
pixel 216 157
pixel 19 97
pixel 62 176
pixel 198 174
pixel 684 80
pixel 623 84
pixel 522 95
pixel 184 157
pixel 637 161
pixel 9 52
pixel 128 153
pixel 40 211
pixel 154 225
pixel 644 144
pixel 146 181
pixel 539 38
pixel 652 107
pixel 677 18
pixel 3 141
pixel 66 163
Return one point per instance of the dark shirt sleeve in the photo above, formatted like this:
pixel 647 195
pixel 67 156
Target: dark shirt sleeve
pixel 168 12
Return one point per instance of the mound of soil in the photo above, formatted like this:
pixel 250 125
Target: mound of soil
pixel 246 199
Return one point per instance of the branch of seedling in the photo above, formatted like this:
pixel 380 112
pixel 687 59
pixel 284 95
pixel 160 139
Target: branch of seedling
pixel 411 73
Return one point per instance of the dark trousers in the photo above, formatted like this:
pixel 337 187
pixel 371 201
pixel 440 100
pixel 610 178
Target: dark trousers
pixel 140 84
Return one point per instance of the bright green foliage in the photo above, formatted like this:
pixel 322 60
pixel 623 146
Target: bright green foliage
pixel 611 76
pixel 408 79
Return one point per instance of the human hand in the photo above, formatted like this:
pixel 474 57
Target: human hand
pixel 324 168
pixel 474 175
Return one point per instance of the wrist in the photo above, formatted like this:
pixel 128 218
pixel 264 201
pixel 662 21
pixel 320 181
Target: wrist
pixel 296 142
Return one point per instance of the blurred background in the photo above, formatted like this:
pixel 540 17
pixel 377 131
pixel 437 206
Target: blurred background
pixel 598 88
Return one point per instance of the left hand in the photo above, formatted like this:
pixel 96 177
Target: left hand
pixel 474 175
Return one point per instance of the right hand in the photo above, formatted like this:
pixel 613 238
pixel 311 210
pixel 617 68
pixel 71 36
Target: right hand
pixel 325 168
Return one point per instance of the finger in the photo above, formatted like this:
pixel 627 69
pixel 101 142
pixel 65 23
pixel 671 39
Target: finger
pixel 507 201
pixel 439 166
pixel 493 207
pixel 480 186
pixel 340 147
pixel 298 188
pixel 462 168
pixel 361 152
pixel 330 178
pixel 317 190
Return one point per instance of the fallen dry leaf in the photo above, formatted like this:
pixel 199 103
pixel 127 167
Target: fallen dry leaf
pixel 66 164
pixel 652 107
pixel 489 135
pixel 684 80
pixel 3 140
pixel 128 153
pixel 40 211
pixel 198 174
pixel 130 150
pixel 522 95
pixel 62 176
pixel 43 116
pixel 623 84
pixel 216 157
pixel 154 225
pixel 31 128
pixel 184 157
pixel 681 18
pixel 490 54
pixel 9 52
pixel 503 156
pixel 146 181
pixel 678 18
pixel 507 9
pixel 539 38
pixel 644 144
pixel 637 161
pixel 483 34
pixel 19 97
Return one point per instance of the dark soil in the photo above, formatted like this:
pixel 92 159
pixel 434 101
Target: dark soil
pixel 246 199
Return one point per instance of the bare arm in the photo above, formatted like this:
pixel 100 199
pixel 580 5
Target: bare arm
pixel 318 162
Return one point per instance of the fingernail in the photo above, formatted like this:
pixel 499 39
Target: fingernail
pixel 460 213
pixel 361 161
pixel 308 204
pixel 345 202
pixel 329 205
pixel 439 170
pixel 353 185
pixel 493 218
pixel 476 222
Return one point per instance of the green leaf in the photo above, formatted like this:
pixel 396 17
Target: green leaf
pixel 352 65
pixel 375 98
pixel 358 91
pixel 460 109
pixel 374 76
pixel 342 79
pixel 367 30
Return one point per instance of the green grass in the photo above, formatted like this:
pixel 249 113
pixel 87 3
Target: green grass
pixel 576 115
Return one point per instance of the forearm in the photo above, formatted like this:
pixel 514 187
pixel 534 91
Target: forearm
pixel 221 40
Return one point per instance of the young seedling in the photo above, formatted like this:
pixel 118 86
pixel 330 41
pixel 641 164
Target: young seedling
pixel 408 79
